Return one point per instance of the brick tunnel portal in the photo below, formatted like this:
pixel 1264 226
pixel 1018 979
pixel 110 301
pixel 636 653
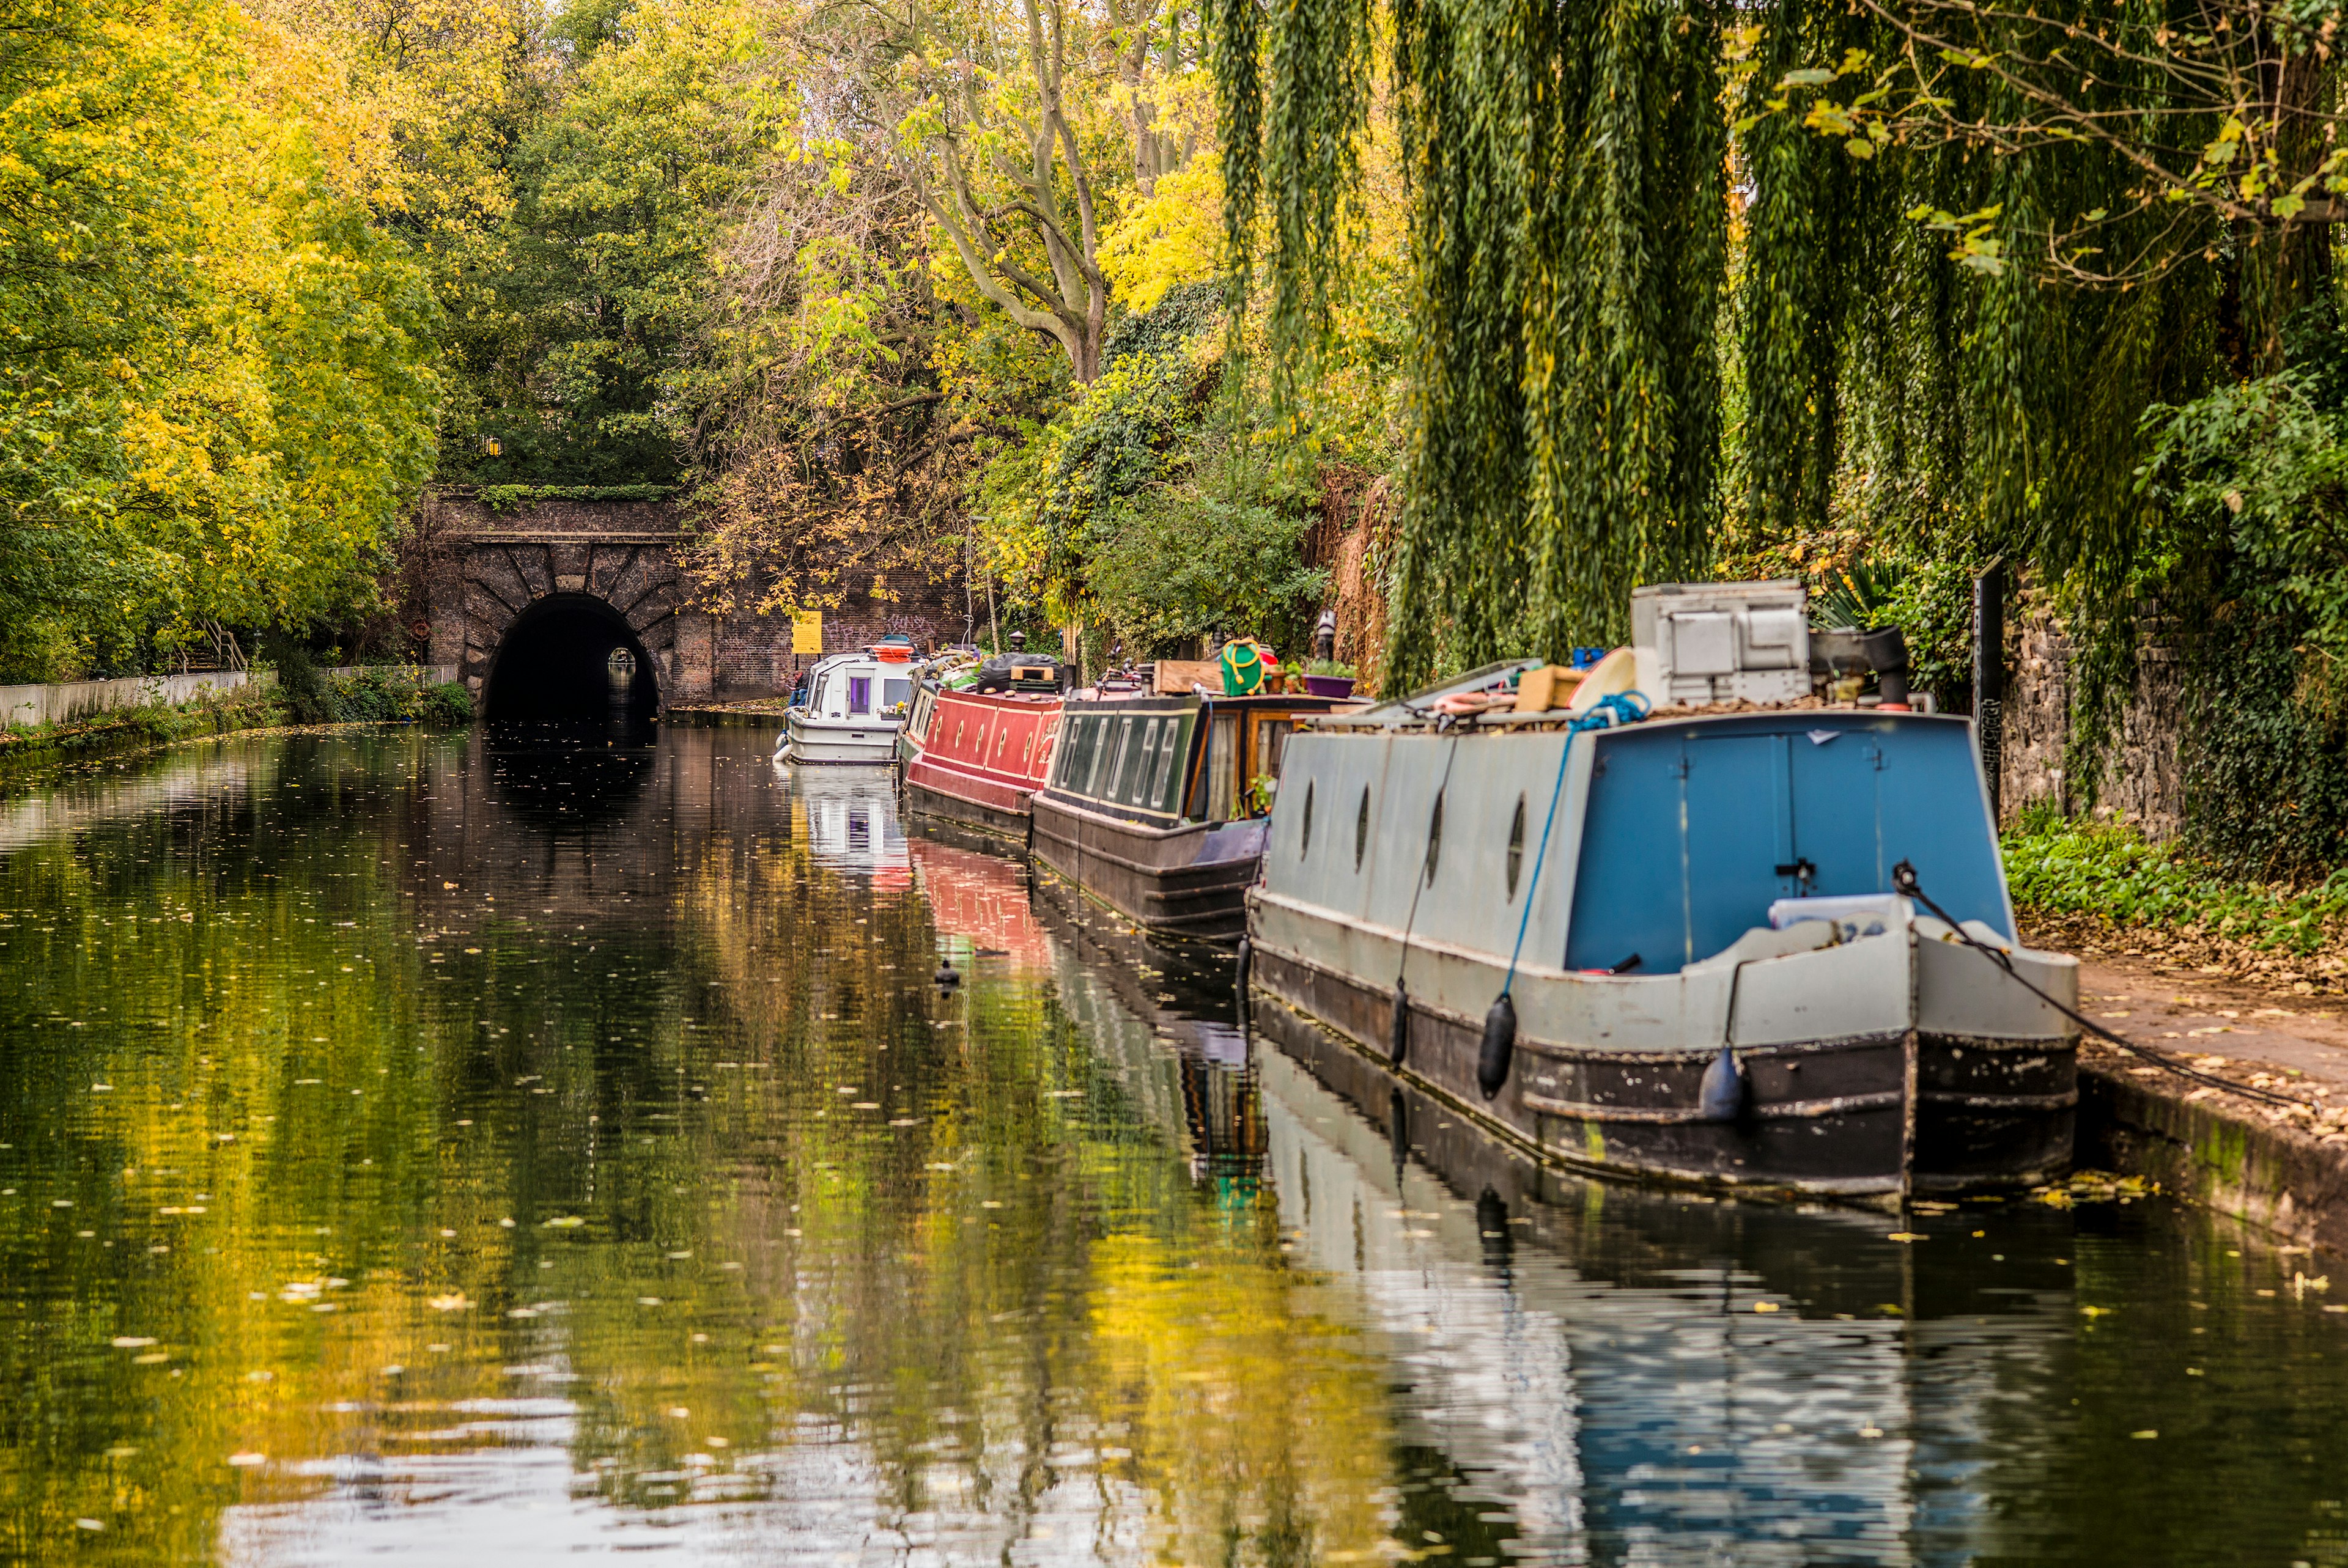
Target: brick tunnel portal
pixel 569 657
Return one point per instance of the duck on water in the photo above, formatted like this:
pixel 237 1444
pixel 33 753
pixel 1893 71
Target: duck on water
pixel 1675 940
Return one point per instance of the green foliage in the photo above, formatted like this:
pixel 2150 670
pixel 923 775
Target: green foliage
pixel 1217 551
pixel 514 497
pixel 1182 315
pixel 2111 874
pixel 1570 236
pixel 2265 748
pixel 2252 487
pixel 214 388
pixel 448 705
pixel 301 688
pixel 1147 505
pixel 569 311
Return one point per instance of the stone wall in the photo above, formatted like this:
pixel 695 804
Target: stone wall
pixel 2141 779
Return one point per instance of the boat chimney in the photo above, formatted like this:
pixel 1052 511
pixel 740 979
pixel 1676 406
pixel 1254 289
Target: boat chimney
pixel 1324 638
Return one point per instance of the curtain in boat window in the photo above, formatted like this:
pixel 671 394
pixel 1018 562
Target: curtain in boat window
pixel 1223 765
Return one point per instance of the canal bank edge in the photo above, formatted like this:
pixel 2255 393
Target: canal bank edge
pixel 2252 1164
pixel 2224 1154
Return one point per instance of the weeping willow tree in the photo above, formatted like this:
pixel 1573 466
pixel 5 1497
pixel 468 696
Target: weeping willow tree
pixel 1951 252
pixel 1571 238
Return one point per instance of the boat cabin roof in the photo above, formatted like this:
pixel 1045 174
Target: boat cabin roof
pixel 1672 837
pixel 1164 760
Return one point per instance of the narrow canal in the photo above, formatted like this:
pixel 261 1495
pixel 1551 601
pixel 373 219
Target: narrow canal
pixel 421 1149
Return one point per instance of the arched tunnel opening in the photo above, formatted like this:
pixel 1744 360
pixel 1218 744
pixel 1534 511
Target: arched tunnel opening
pixel 571 659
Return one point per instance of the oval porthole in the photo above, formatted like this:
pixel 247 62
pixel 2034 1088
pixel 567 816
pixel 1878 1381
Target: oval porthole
pixel 1305 833
pixel 1516 845
pixel 1434 836
pixel 1362 828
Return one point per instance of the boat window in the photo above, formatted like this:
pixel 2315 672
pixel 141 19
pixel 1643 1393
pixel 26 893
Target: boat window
pixel 1145 764
pixel 859 693
pixel 816 698
pixel 1516 845
pixel 1223 763
pixel 895 693
pixel 1362 828
pixel 1161 784
pixel 1434 837
pixel 1272 744
pixel 1104 781
pixel 1304 833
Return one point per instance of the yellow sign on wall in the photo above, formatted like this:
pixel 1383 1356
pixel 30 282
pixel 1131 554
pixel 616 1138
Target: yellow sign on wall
pixel 807 631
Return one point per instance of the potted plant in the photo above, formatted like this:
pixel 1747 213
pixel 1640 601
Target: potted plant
pixel 1327 678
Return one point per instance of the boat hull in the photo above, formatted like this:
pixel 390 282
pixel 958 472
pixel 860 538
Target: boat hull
pixel 975 759
pixel 1826 1117
pixel 1006 827
pixel 1187 880
pixel 866 745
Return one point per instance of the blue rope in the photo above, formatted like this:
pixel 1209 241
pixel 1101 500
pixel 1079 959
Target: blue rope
pixel 1628 708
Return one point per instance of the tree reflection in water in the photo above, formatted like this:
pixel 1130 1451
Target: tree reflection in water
pixel 467 1150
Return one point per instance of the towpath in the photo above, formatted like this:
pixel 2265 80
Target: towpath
pixel 2285 1168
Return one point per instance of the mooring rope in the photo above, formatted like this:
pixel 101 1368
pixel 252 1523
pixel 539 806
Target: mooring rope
pixel 1628 708
pixel 1905 882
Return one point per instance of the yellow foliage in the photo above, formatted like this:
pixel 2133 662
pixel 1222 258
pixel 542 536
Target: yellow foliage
pixel 1243 1411
pixel 1171 236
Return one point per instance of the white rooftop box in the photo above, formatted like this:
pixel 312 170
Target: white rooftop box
pixel 1718 641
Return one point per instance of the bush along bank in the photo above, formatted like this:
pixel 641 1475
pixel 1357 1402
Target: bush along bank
pixel 390 695
pixel 2101 891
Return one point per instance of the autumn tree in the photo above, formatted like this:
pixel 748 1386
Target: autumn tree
pixel 993 143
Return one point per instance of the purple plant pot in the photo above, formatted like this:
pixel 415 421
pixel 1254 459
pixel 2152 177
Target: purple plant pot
pixel 1329 685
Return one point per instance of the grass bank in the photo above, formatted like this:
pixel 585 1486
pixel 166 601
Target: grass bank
pixel 300 697
pixel 2102 891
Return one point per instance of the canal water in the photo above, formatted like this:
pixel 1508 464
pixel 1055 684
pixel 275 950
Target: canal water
pixel 439 1149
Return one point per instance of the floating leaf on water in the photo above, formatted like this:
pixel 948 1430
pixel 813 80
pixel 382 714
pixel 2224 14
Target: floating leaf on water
pixel 2148 1432
pixel 565 1222
pixel 1764 1306
pixel 1906 1235
pixel 247 1459
pixel 131 1342
pixel 456 1303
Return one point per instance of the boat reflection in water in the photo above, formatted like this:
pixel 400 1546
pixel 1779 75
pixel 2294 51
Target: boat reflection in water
pixel 848 818
pixel 1657 1376
pixel 1614 1374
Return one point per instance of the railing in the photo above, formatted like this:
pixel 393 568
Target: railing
pixel 27 707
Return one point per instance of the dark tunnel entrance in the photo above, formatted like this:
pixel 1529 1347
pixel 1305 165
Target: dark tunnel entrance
pixel 569 658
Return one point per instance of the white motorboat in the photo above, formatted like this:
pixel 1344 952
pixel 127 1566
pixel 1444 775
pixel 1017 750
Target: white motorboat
pixel 855 704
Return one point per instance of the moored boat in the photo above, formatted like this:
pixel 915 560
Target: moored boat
pixel 1155 804
pixel 854 705
pixel 1697 919
pixel 974 755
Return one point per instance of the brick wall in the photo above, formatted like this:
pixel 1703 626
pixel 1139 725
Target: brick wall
pixel 729 657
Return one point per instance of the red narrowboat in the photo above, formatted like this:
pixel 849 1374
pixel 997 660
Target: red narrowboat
pixel 975 758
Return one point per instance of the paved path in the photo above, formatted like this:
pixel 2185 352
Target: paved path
pixel 2259 1032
